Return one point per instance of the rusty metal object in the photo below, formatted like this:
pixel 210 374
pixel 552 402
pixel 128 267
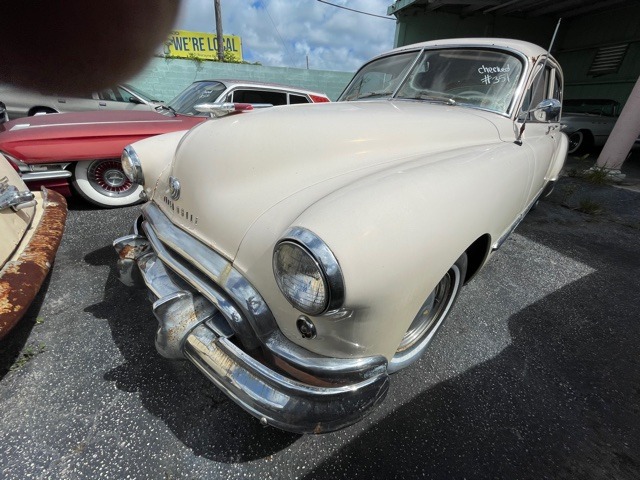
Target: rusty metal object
pixel 21 279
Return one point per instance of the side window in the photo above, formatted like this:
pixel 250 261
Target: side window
pixel 122 94
pixel 293 99
pixel 260 96
pixel 110 94
pixel 543 87
pixel 557 86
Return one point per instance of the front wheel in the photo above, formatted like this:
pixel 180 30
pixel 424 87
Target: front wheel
pixel 103 183
pixel 430 317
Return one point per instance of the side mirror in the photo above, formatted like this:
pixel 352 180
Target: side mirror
pixel 135 100
pixel 547 110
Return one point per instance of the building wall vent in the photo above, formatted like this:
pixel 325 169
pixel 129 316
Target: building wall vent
pixel 608 59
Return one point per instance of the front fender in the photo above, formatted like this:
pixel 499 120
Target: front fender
pixel 156 154
pixel 395 233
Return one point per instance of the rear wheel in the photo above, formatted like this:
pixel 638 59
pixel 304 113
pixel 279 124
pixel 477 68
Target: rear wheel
pixel 103 183
pixel 430 317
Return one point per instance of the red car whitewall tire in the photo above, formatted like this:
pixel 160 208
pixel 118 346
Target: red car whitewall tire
pixel 103 183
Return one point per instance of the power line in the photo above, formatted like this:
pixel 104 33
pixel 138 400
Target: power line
pixel 356 11
pixel 279 36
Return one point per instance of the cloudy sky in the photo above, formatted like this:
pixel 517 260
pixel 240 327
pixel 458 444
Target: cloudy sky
pixel 282 33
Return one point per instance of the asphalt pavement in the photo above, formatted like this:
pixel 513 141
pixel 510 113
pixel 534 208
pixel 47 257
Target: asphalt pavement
pixel 536 373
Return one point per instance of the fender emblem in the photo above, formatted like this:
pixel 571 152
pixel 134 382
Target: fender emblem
pixel 174 188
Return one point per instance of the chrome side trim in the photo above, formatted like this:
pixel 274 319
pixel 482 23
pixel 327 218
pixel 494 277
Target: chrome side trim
pixel 50 175
pixel 514 225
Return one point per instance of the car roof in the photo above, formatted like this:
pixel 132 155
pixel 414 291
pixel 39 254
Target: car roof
pixel 230 82
pixel 527 48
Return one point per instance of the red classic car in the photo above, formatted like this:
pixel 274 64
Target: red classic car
pixel 81 151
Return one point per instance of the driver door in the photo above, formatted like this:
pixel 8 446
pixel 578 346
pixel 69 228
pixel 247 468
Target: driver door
pixel 541 135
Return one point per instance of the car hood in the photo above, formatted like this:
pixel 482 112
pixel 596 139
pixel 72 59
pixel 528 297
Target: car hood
pixel 58 136
pixel 233 169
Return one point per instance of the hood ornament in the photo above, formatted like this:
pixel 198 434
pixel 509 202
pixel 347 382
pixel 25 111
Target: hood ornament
pixel 174 188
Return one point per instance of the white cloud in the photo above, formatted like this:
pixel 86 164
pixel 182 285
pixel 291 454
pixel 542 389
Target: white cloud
pixel 284 32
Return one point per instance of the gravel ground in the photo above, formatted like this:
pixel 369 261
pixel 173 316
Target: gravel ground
pixel 536 374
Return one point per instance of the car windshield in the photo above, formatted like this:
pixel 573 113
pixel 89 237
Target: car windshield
pixel 480 78
pixel 195 94
pixel 379 78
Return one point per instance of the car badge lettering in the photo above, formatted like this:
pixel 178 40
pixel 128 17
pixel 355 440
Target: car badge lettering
pixel 174 188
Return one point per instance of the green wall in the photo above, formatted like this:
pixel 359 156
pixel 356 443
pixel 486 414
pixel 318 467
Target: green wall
pixel 580 41
pixel 164 78
pixel 418 26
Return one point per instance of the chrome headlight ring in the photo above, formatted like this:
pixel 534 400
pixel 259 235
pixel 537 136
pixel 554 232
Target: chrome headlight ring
pixel 131 165
pixel 308 273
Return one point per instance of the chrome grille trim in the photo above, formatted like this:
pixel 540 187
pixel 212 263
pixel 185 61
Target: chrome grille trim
pixel 202 284
pixel 247 311
pixel 214 266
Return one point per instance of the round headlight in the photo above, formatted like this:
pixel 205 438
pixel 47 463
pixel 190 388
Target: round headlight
pixel 307 273
pixel 131 165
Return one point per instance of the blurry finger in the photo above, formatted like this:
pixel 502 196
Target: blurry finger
pixel 76 46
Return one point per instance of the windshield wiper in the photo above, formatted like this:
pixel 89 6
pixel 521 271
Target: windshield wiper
pixel 432 98
pixel 169 108
pixel 374 94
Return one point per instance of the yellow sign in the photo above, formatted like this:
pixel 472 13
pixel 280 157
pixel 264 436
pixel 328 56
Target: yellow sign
pixel 185 44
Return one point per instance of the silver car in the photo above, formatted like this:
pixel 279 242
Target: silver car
pixel 588 122
pixel 24 103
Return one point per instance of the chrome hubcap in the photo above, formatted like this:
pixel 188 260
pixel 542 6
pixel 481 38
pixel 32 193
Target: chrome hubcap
pixel 429 314
pixel 107 177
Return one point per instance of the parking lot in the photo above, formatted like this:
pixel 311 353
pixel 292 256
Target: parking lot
pixel 536 373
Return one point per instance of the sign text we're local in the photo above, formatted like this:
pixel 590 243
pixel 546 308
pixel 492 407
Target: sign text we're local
pixel 185 44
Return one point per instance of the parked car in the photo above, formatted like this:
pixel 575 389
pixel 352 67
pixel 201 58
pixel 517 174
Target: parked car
pixel 301 255
pixel 4 116
pixel 82 150
pixel 32 224
pixel 588 122
pixel 25 103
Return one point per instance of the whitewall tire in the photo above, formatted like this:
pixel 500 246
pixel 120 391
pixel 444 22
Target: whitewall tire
pixel 103 183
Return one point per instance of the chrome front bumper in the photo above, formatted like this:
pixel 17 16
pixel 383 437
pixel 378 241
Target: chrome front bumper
pixel 209 314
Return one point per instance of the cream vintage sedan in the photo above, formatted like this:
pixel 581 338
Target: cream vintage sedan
pixel 300 255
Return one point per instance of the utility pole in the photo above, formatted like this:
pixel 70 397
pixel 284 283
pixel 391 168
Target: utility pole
pixel 219 35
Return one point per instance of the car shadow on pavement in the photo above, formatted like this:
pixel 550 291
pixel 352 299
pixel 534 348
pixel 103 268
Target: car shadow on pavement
pixel 561 401
pixel 197 413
